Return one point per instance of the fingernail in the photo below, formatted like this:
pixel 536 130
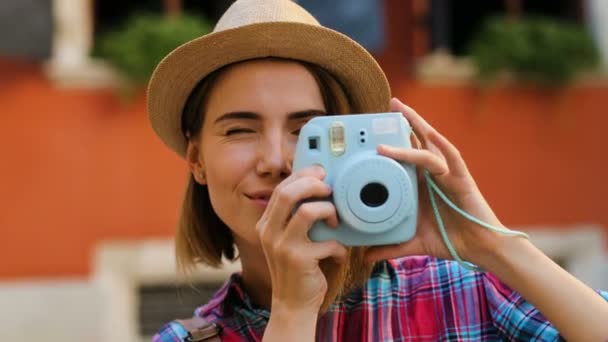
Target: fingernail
pixel 383 147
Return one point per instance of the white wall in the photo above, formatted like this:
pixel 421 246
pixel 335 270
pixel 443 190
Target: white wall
pixel 597 18
pixel 54 310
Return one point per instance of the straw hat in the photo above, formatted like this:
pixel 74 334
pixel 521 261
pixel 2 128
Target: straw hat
pixel 253 29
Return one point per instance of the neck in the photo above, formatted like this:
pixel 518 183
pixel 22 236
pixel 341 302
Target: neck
pixel 255 275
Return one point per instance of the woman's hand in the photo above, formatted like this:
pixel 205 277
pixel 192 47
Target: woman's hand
pixel 448 169
pixel 565 301
pixel 298 284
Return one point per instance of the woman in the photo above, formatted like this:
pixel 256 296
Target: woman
pixel 231 103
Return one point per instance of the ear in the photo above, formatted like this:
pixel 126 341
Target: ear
pixel 195 164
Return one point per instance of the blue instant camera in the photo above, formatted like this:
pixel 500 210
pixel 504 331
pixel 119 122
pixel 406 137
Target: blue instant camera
pixel 376 197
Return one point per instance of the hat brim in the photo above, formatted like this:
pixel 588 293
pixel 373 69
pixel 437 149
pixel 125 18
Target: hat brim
pixel 179 72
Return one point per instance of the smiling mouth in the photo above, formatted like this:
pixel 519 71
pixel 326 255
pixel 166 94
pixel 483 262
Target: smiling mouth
pixel 260 200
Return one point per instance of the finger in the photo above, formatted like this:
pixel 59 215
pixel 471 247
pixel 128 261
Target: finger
pixel 418 123
pixel 415 142
pixel 326 249
pixel 315 171
pixel 423 158
pixel 411 247
pixel 287 197
pixel 420 127
pixel 452 156
pixel 307 214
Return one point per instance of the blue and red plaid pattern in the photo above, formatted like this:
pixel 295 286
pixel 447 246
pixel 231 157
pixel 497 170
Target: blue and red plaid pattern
pixel 407 299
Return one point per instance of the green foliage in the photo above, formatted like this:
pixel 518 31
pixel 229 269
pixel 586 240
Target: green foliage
pixel 145 40
pixel 536 49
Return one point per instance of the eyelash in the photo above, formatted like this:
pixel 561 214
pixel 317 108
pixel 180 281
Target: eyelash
pixel 238 130
pixel 233 131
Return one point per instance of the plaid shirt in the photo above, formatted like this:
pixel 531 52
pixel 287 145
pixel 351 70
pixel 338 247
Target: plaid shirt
pixel 406 299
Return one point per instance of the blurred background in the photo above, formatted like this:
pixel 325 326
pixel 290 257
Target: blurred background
pixel 90 197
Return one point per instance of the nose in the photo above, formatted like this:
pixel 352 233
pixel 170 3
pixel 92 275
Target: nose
pixel 275 155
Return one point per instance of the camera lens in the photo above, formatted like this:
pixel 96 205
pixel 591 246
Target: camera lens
pixel 374 194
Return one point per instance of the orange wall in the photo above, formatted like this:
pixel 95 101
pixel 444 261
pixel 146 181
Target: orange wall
pixel 80 166
pixel 540 157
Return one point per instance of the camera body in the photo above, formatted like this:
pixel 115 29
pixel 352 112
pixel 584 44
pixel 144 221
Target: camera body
pixel 376 197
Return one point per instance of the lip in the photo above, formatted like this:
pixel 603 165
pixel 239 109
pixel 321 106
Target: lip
pixel 260 198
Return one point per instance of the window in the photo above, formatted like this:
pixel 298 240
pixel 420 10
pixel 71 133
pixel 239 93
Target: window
pixel 454 24
pixel 111 14
pixel 25 29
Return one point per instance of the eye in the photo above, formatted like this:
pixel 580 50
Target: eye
pixel 297 128
pixel 238 130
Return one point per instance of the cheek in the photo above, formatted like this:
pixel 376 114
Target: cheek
pixel 226 168
pixel 226 175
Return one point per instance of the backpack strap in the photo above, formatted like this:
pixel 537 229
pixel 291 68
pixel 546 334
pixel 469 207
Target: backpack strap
pixel 200 330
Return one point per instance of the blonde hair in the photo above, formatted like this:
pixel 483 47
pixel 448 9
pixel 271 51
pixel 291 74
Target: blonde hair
pixel 202 237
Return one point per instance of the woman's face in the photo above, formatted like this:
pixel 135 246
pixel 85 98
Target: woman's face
pixel 253 116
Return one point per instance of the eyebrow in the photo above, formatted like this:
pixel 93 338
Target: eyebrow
pixel 303 114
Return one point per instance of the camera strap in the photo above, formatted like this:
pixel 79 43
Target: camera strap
pixel 433 188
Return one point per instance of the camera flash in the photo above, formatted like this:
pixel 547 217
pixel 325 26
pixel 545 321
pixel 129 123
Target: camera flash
pixel 336 138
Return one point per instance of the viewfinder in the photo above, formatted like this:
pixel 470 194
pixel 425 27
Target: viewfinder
pixel 313 143
pixel 337 138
